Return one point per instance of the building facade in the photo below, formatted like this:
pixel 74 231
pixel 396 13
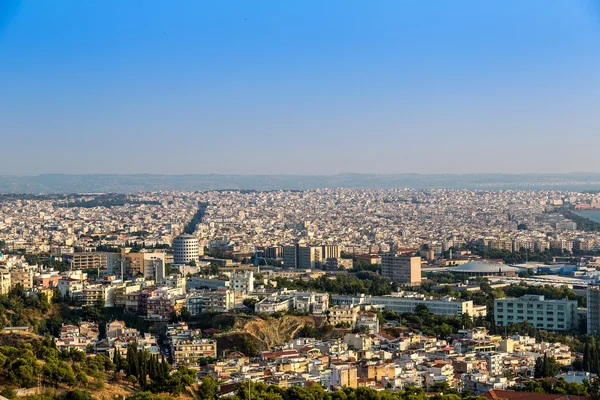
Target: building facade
pixel 593 310
pixel 401 269
pixel 559 315
pixel 186 249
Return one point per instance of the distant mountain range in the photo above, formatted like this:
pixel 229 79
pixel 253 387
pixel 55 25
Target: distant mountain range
pixel 99 183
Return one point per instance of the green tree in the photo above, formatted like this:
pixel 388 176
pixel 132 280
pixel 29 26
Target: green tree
pixel 207 390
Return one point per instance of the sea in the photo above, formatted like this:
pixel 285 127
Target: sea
pixel 593 215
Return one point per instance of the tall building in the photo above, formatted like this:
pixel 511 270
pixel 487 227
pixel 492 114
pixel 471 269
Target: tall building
pixel 185 249
pixel 273 252
pixel 154 266
pixel 330 251
pixel 593 310
pixel 242 282
pixel 89 260
pixel 309 257
pixel 4 281
pixel 150 265
pixel 290 256
pixel 559 315
pixel 401 269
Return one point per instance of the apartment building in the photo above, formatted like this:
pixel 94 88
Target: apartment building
pixel 91 294
pixel 344 376
pixel 220 300
pixel 147 264
pixel 190 350
pixel 330 251
pixel 273 253
pixel 4 281
pixel 559 315
pixel 402 302
pixel 273 304
pixel 121 293
pixel 343 314
pixel 593 310
pixel 89 260
pixel 369 321
pixel 21 276
pixel 161 305
pixel 285 300
pixel 401 269
pixel 334 263
pixel 242 282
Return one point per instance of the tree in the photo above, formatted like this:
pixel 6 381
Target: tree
pixel 250 303
pixel 207 390
pixel 421 309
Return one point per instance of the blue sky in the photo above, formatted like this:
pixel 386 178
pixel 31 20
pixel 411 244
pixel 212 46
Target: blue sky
pixel 299 87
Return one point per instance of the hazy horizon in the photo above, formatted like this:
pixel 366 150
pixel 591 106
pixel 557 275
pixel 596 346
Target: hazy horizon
pixel 309 88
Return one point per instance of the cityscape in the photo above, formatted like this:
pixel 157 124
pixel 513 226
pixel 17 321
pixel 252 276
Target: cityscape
pixel 472 292
pixel 299 200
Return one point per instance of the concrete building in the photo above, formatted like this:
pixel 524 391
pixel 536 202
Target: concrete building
pixel 89 260
pixel 401 269
pixel 309 257
pixel 559 315
pixel 273 253
pixel 189 351
pixel 290 256
pixel 220 300
pixel 344 376
pixel 147 264
pixel 330 251
pixel 593 310
pixel 21 276
pixel 186 249
pixel 154 266
pixel 4 281
pixel 402 302
pixel 368 320
pixel 335 263
pixel 242 282
pixel 343 314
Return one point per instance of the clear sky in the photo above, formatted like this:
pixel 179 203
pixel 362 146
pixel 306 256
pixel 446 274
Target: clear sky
pixel 299 86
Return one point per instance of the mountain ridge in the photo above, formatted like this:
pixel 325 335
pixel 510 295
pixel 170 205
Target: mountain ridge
pixel 130 183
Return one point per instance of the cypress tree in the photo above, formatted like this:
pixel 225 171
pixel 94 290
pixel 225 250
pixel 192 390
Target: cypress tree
pixel 586 355
pixel 538 370
pixel 546 367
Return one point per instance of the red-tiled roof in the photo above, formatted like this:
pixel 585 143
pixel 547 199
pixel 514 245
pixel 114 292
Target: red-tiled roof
pixel 495 394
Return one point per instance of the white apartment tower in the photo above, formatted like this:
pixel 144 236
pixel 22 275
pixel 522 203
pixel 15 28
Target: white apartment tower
pixel 401 269
pixel 185 249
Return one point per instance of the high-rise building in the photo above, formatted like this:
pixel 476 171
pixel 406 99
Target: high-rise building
pixel 290 256
pixel 185 249
pixel 401 269
pixel 154 266
pixel 593 310
pixel 559 315
pixel 330 251
pixel 242 282
pixel 89 260
pixel 309 257
pixel 273 252
pixel 150 265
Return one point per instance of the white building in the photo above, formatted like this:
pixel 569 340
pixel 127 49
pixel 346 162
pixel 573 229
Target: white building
pixel 402 302
pixel 242 282
pixel 185 249
pixel 559 315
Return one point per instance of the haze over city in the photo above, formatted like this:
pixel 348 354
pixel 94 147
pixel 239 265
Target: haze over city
pixel 312 87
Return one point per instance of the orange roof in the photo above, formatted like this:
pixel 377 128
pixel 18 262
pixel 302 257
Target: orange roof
pixel 495 394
